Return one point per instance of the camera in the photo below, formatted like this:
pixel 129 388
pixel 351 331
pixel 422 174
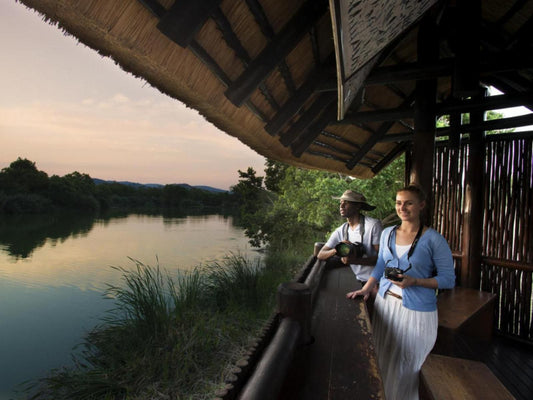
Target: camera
pixel 393 272
pixel 345 249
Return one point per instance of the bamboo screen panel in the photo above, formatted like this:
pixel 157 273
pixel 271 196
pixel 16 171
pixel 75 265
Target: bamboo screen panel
pixel 508 234
pixel 507 246
pixel 448 184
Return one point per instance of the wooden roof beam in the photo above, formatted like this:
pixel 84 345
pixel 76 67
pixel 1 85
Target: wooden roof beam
pixel 489 63
pixel 307 118
pixel 509 83
pixel 399 149
pixel 154 7
pixel 203 55
pixel 306 138
pixel 383 129
pixel 296 102
pixel 466 106
pixel 341 139
pixel 281 45
pixel 392 114
pixel 260 17
pixel 465 78
pixel 491 125
pixel 185 18
pixel 233 41
pixel 369 144
pixel 334 157
pixel 515 99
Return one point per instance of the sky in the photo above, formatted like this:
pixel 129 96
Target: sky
pixel 67 108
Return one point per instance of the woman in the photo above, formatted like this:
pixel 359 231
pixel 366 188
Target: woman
pixel 413 262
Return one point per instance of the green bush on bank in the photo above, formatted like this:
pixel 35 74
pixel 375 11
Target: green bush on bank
pixel 172 336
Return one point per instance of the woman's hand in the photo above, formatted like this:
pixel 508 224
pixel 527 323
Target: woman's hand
pixel 356 293
pixel 406 281
pixel 365 291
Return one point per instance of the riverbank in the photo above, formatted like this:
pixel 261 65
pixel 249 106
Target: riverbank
pixel 172 336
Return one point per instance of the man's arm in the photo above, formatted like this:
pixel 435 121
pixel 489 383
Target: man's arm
pixel 326 252
pixel 369 261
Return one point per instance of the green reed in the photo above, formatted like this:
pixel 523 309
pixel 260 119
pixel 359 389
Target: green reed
pixel 171 336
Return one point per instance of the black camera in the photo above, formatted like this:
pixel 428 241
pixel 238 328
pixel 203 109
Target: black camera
pixel 345 249
pixel 392 273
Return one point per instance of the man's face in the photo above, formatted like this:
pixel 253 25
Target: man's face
pixel 348 208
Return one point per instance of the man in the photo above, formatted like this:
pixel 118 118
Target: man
pixel 357 228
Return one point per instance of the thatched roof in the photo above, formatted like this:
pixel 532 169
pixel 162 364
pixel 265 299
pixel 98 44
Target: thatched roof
pixel 266 71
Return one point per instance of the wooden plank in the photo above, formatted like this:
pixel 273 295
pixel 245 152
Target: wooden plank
pixel 185 19
pixel 449 378
pixel 460 305
pixel 295 103
pixel 305 139
pixel 472 211
pixel 307 118
pixel 341 362
pixel 425 118
pixel 275 51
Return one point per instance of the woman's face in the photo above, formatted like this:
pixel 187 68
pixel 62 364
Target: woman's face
pixel 408 206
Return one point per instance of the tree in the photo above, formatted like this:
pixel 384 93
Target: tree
pixel 302 208
pixel 22 176
pixel 274 174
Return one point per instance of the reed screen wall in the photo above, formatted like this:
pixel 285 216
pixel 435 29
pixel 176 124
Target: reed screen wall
pixel 507 239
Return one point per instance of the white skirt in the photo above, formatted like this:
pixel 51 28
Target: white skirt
pixel 403 339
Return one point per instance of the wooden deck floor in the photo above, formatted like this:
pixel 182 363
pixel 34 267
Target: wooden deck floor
pixel 509 360
pixel 340 363
pixel 512 363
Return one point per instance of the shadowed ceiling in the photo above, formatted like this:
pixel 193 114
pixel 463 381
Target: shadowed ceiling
pixel 317 84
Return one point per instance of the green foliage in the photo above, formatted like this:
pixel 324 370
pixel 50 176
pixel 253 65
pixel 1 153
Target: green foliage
pixel 275 172
pixel 23 177
pixel 299 208
pixel 444 121
pixel 24 189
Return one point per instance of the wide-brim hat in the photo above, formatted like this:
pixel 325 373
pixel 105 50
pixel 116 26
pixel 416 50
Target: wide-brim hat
pixel 355 197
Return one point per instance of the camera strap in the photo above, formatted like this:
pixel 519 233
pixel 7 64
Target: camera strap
pixel 413 245
pixel 361 228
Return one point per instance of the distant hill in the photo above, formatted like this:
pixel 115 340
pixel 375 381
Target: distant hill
pixel 158 185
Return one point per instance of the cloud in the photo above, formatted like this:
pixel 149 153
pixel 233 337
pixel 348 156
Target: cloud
pixel 124 139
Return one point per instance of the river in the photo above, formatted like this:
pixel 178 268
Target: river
pixel 55 269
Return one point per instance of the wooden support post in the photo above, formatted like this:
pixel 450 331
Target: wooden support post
pixel 425 117
pixel 294 301
pixel 473 207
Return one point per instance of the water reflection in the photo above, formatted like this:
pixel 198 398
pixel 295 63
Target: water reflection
pixel 20 235
pixel 55 269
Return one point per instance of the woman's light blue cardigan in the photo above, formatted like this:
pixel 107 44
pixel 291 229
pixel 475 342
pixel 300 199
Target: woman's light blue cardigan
pixel 432 258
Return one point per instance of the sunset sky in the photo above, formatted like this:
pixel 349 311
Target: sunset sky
pixel 67 108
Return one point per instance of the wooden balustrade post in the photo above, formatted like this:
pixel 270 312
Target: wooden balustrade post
pixel 294 301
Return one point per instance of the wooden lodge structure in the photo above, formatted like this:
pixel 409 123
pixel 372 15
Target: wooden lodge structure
pixel 347 86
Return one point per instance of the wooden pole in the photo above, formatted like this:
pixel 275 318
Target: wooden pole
pixel 425 117
pixel 294 301
pixel 473 207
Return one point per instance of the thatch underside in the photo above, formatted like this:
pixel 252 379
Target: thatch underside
pixel 264 71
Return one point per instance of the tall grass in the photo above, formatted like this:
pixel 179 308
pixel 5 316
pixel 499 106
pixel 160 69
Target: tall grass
pixel 171 337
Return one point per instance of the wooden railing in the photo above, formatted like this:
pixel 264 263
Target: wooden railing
pixel 261 372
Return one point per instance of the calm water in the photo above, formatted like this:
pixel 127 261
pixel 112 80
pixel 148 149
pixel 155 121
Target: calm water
pixel 53 271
